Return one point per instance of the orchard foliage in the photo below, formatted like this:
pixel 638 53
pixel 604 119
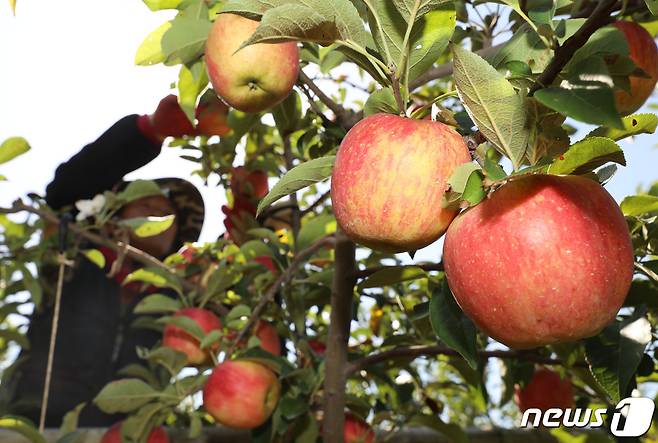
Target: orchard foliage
pixel 529 85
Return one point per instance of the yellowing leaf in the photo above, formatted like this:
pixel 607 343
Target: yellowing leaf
pixel 96 257
pixel 150 51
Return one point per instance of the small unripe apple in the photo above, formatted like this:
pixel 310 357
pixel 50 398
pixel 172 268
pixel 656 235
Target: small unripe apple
pixel 212 117
pixel 241 394
pixel 357 430
pixel 545 390
pixel 389 180
pixel 113 435
pixel 644 53
pixel 545 259
pixel 179 340
pixel 269 337
pixel 254 78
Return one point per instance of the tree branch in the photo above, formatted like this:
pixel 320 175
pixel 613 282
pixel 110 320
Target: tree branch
pixel 363 273
pixel 599 18
pixel 337 340
pixel 283 279
pixel 420 351
pixel 346 118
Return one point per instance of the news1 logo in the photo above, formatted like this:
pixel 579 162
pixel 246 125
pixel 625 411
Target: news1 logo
pixel 630 418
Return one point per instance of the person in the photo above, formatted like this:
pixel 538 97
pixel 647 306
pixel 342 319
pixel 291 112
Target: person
pixel 95 339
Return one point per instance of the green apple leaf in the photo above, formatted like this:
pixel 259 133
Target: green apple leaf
pixel 315 21
pixel 451 325
pixel 413 10
pixel 287 114
pixel 185 40
pixel 614 354
pixel 639 204
pixel 587 155
pixel 474 191
pixel 158 5
pixel 158 277
pixel 95 256
pixel 653 6
pixel 191 82
pixel 150 51
pixel 381 101
pixel 23 427
pixel 12 148
pixel 148 226
pixel 157 303
pixel 633 125
pixel 314 229
pixel 125 396
pixel 299 177
pixel 589 104
pixel 139 189
pixel 492 103
pixel 492 170
pixel 392 275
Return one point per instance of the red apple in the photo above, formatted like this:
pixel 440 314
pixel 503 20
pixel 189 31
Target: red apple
pixel 545 390
pixel 212 117
pixel 179 340
pixel 644 53
pixel 241 394
pixel 317 346
pixel 269 338
pixel 113 435
pixel 545 259
pixel 254 78
pixel 246 183
pixel 389 180
pixel 357 430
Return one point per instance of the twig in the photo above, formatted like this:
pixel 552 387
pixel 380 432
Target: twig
pixel 599 18
pixel 296 214
pixel 346 118
pixel 283 279
pixel 363 273
pixel 317 203
pixel 419 351
pixel 337 339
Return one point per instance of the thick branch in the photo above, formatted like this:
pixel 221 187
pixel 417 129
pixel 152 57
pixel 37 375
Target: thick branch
pixel 339 333
pixel 283 279
pixel 363 273
pixel 419 351
pixel 599 18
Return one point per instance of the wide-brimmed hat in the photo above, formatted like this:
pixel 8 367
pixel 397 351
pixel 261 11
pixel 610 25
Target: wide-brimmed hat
pixel 187 202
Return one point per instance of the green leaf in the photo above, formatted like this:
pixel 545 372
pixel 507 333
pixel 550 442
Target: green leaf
pixel 222 279
pixel 139 189
pixel 315 229
pixel 148 226
pixel 639 204
pixel 150 51
pixel 12 148
pixel 595 105
pixel 315 21
pixel 154 276
pixel 95 256
pixel 191 82
pixel 23 427
pixel 287 114
pixel 492 103
pixel 174 361
pixel 157 303
pixel 416 9
pixel 292 407
pixel 125 396
pixel 299 177
pixel 184 41
pixel 70 420
pixel 474 191
pixel 460 175
pixel 587 155
pixel 614 354
pixel 633 125
pixel 653 6
pixel 381 101
pixel 393 275
pixel 186 324
pixel 238 312
pixel 451 325
pixel 214 336
pixel 157 5
pixel 454 433
pixel 15 336
pixel 493 170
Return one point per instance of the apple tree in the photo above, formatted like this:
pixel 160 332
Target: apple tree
pixel 349 135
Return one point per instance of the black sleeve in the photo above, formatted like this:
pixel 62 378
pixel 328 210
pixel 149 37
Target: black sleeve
pixel 101 164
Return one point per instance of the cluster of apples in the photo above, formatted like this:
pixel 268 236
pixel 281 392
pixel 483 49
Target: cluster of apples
pixel 545 259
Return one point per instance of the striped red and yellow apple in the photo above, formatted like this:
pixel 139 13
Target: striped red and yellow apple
pixel 389 180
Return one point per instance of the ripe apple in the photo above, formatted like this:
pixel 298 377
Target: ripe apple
pixel 545 390
pixel 179 340
pixel 113 435
pixel 212 117
pixel 317 346
pixel 254 78
pixel 545 259
pixel 389 180
pixel 357 430
pixel 241 394
pixel 246 183
pixel 269 338
pixel 644 53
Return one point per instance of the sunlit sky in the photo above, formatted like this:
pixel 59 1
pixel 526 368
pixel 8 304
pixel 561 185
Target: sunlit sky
pixel 67 74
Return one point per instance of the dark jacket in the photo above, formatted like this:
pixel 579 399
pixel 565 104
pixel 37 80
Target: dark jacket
pixel 94 337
